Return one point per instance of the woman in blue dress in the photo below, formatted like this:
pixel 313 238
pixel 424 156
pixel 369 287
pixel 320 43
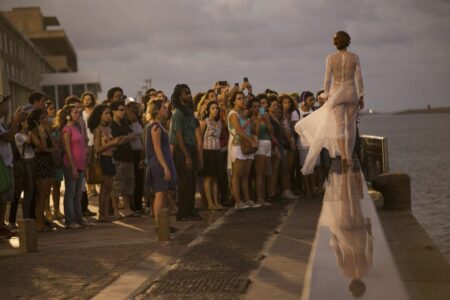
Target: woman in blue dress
pixel 161 168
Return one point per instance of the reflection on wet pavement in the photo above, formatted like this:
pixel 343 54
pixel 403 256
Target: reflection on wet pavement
pixel 351 258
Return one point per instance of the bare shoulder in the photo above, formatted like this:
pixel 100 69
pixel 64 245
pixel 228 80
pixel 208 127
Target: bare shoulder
pixel 353 54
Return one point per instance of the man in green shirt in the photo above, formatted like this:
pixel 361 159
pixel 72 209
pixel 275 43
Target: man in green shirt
pixel 187 152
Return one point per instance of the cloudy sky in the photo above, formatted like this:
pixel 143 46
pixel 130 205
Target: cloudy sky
pixel 403 44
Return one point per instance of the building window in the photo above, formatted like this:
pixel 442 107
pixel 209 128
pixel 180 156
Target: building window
pixel 49 90
pixel 63 93
pixel 78 89
pixel 92 87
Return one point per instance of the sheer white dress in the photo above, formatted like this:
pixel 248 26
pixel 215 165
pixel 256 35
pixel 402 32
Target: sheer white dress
pixel 336 119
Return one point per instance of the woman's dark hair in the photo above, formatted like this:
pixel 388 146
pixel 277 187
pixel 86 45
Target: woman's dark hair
pixel 341 40
pixel 262 96
pixel 208 110
pixel 305 95
pixel 250 103
pixel 269 91
pixel 233 97
pixel 92 97
pixel 96 117
pixel 116 104
pixel 291 101
pixel 34 118
pixel 149 91
pixel 112 91
pixel 175 99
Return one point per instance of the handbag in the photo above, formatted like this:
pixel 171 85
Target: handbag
pixel 94 171
pixel 246 147
pixel 5 177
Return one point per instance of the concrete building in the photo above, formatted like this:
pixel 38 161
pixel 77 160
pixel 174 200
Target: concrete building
pixel 21 64
pixel 59 86
pixel 31 49
pixel 53 44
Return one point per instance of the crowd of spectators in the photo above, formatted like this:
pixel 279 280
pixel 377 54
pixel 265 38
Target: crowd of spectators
pixel 228 145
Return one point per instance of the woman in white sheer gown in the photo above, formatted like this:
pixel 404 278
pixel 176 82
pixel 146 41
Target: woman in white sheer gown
pixel 333 126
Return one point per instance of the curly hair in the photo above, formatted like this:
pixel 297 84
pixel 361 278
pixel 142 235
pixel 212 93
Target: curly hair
pixel 341 40
pixel 233 97
pixel 63 116
pixel 282 97
pixel 96 116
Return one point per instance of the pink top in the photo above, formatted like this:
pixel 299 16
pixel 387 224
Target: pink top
pixel 77 147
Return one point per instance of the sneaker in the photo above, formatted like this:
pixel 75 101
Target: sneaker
pixel 87 224
pixel 240 206
pixel 88 213
pixel 288 195
pixel 252 204
pixel 73 226
pixel 265 203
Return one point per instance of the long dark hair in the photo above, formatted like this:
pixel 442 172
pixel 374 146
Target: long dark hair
pixel 34 118
pixel 96 117
pixel 175 98
pixel 208 110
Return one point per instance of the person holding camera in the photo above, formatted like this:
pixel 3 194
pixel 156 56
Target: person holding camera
pixel 263 130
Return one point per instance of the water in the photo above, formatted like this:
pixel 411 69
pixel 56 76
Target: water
pixel 419 145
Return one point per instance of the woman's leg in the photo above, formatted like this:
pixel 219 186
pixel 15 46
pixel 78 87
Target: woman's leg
pixel 260 170
pixel 170 199
pixel 158 204
pixel 237 170
pixel 207 187
pixel 245 174
pixel 215 192
pixel 104 197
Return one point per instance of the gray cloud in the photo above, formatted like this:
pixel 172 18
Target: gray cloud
pixel 403 44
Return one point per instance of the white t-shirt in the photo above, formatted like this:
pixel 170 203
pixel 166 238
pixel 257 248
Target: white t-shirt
pixel 136 144
pixel 26 153
pixel 90 135
pixel 5 148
